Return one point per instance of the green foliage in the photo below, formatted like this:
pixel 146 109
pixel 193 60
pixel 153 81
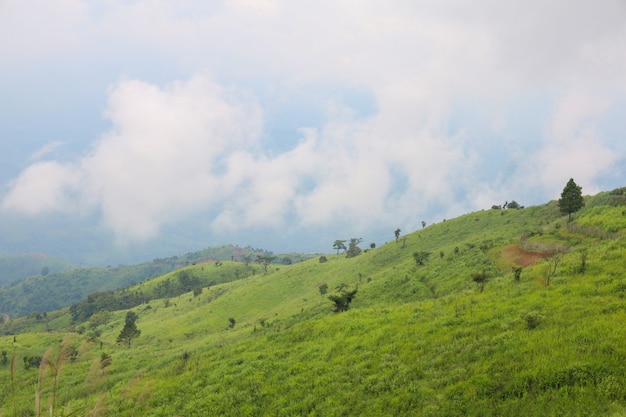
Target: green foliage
pixel 323 289
pixel 517 272
pixel 32 361
pixel 533 320
pixel 571 198
pixel 480 278
pixel 130 330
pixel 342 300
pixel 353 248
pixel 421 257
pixel 265 261
pixel 99 319
pixel 339 245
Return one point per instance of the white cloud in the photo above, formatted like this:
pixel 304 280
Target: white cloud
pixel 157 163
pixel 574 146
pixel 35 30
pixel 45 150
pixel 198 146
pixel 44 187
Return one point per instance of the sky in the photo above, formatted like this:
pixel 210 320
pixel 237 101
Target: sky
pixel 137 129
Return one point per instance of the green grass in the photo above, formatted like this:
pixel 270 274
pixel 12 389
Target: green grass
pixel 417 340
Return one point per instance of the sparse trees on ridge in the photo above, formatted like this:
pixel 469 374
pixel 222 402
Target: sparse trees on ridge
pixel 353 249
pixel 265 261
pixel 513 205
pixel 339 245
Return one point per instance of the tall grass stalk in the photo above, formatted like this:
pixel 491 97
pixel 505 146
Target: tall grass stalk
pixel 13 382
pixel 55 367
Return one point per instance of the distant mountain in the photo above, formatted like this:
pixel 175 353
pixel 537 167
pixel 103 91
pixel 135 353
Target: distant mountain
pixel 42 283
pixel 15 267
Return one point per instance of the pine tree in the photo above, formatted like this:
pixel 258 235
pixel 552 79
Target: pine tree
pixel 571 199
pixel 130 331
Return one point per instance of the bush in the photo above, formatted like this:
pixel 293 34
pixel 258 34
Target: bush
pixel 32 362
pixel 533 320
pixel 420 257
pixel 342 300
pixel 323 289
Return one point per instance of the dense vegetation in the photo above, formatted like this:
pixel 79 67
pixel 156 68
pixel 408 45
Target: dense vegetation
pixel 46 290
pixel 512 312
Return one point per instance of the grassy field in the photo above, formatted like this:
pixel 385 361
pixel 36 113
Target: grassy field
pixel 460 335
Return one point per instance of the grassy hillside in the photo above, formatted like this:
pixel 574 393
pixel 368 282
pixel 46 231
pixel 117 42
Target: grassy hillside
pixel 61 286
pixel 460 335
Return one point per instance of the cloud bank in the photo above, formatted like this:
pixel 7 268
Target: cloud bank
pixel 473 105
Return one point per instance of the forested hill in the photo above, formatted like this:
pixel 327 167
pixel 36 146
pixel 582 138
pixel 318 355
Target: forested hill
pixel 47 283
pixel 14 267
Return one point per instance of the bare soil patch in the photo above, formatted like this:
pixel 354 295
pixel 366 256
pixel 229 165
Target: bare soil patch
pixel 516 255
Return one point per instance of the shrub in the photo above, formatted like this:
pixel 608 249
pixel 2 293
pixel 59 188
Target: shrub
pixel 32 362
pixel 342 300
pixel 517 272
pixel 420 257
pixel 323 289
pixel 533 320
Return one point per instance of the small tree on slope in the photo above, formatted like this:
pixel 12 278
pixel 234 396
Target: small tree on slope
pixel 130 331
pixel 571 199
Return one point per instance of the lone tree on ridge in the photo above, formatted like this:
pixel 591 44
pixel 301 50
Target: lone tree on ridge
pixel 339 245
pixel 571 199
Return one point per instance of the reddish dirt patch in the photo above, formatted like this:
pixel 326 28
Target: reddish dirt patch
pixel 517 255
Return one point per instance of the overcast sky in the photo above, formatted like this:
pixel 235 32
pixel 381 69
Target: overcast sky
pixel 137 126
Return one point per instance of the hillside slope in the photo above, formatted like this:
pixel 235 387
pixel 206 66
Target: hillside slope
pixel 460 335
pixel 62 286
